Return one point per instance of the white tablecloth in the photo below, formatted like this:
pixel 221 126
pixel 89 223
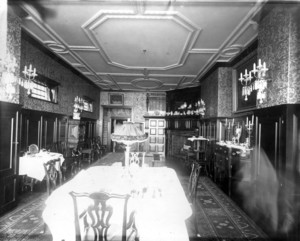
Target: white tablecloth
pixel 160 215
pixel 32 165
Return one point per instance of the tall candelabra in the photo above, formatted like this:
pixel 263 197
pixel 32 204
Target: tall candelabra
pixel 249 129
pixel 228 127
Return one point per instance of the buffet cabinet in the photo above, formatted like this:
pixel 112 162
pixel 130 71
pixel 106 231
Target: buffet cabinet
pixel 9 157
pixel 232 166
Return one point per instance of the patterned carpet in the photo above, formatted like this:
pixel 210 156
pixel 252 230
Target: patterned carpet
pixel 25 222
pixel 218 218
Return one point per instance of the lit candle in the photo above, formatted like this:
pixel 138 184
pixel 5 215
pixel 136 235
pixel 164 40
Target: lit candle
pixel 265 65
pixel 254 66
pixel 252 119
pixel 30 67
pixel 259 63
pixel 220 131
pixel 246 72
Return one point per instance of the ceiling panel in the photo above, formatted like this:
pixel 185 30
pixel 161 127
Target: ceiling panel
pixel 139 44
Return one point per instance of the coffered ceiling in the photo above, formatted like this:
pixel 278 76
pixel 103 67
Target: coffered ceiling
pixel 140 45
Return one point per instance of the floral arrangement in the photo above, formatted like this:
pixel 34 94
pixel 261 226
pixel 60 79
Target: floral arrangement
pixel 197 109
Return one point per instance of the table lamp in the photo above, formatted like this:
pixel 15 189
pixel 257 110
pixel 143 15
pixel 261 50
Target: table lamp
pixel 128 133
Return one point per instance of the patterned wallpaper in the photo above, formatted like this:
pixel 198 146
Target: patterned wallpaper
pixel 71 84
pixel 13 45
pixel 216 91
pixel 209 92
pixel 278 46
pixel 294 73
pixel 224 91
pixel 137 100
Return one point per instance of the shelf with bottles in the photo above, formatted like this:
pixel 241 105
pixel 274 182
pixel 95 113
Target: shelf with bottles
pixel 182 122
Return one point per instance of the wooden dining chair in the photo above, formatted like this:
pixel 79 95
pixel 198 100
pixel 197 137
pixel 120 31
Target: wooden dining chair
pixel 70 167
pixel 137 158
pixel 95 221
pixel 52 175
pixel 204 161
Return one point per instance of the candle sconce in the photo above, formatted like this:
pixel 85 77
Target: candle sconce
pixel 229 127
pixel 249 129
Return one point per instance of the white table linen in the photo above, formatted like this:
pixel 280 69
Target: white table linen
pixel 32 165
pixel 160 212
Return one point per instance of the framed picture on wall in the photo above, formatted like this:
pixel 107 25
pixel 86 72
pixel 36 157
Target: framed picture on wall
pixel 116 99
pixel 240 103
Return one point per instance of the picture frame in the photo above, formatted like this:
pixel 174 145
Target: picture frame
pixel 116 99
pixel 239 102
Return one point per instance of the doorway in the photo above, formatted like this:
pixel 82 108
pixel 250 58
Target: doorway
pixel 115 146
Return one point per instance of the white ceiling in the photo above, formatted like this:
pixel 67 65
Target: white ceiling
pixel 143 45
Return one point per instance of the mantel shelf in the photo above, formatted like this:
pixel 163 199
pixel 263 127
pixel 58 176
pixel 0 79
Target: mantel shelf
pixel 154 116
pixel 183 117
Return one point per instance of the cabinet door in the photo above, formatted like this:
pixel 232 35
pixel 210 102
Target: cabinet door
pixel 9 129
pixel 48 132
pixel 269 141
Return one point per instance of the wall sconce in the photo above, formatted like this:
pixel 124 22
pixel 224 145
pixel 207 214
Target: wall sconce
pixel 78 108
pixel 259 72
pixel 29 74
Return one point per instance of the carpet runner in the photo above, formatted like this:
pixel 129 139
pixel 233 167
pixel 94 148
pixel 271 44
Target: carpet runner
pixel 218 218
pixel 25 222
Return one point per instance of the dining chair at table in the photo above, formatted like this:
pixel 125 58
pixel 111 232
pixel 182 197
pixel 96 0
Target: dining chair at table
pixel 203 159
pixel 137 158
pixel 70 167
pixel 104 217
pixel 52 175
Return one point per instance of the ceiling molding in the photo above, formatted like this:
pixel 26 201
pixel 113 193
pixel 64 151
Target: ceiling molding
pixel 111 42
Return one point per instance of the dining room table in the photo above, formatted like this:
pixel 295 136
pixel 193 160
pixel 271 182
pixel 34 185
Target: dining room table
pixel 32 165
pixel 157 198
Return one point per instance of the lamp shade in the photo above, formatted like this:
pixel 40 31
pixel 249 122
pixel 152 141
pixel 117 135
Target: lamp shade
pixel 128 133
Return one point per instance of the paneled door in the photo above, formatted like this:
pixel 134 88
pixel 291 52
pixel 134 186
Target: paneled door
pixel 157 137
pixel 9 139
